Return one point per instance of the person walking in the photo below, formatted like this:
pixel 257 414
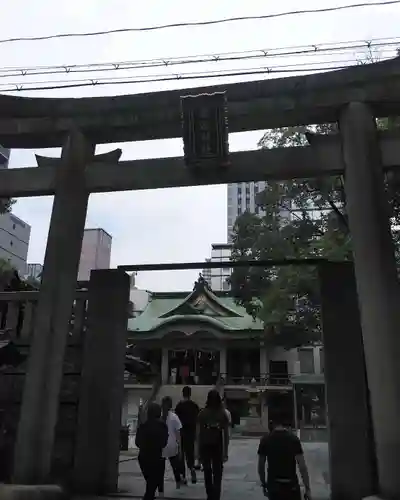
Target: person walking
pixel 151 438
pixel 187 412
pixel 213 443
pixel 173 448
pixel 282 450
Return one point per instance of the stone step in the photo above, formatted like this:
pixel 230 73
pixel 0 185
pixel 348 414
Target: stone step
pixel 37 492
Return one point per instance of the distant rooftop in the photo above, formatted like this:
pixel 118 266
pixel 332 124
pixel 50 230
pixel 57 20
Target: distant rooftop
pixel 98 229
pixel 221 246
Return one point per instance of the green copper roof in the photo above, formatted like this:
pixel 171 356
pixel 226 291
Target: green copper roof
pixel 201 306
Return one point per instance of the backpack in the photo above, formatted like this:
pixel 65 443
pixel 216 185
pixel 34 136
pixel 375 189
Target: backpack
pixel 212 429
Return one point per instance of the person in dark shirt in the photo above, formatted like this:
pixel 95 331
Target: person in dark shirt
pixel 212 443
pixel 282 450
pixel 188 411
pixel 151 438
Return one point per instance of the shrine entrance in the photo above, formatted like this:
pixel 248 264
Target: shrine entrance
pixel 353 97
pixel 193 366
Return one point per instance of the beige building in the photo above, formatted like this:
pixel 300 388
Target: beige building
pixel 95 253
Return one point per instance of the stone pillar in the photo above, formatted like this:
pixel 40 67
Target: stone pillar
pixel 377 284
pixel 353 475
pixel 317 360
pixel 35 437
pixel 263 361
pixel 222 362
pixel 102 386
pixel 164 366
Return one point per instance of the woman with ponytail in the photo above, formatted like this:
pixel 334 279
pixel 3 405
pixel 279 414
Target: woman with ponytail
pixel 172 450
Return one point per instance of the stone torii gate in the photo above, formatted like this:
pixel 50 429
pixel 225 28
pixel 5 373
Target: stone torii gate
pixel 354 97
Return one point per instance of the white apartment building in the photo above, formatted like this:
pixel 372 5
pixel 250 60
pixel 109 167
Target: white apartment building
pixel 14 241
pixel 218 277
pixel 14 232
pixel 220 252
pixel 34 270
pixel 95 253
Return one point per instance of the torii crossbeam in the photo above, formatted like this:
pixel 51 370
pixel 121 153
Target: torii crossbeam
pixel 353 97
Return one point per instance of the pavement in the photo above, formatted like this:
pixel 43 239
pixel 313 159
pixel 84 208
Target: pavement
pixel 240 474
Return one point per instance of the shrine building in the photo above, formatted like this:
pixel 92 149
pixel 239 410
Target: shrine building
pixel 204 339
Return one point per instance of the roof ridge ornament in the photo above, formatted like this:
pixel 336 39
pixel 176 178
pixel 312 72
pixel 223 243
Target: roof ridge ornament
pixel 201 284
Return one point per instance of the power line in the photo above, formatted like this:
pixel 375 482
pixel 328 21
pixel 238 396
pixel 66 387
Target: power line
pixel 202 23
pixel 270 52
pixel 275 68
pixel 339 48
pixel 151 79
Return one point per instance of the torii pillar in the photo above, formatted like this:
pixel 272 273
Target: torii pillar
pixel 36 429
pixel 377 285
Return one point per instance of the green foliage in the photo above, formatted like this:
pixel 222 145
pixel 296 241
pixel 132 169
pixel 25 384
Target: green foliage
pixel 5 205
pixel 304 218
pixel 32 283
pixel 5 266
pixel 10 280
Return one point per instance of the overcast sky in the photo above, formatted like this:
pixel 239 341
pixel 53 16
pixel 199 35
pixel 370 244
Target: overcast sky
pixel 170 225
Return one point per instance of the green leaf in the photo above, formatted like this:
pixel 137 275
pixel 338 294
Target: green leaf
pixel 303 218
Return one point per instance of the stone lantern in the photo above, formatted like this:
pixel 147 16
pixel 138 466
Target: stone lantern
pixel 253 422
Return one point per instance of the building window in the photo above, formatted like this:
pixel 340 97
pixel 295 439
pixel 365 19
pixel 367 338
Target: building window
pixel 11 243
pixel 247 190
pixel 306 358
pixel 239 212
pixel 255 188
pixel 14 226
pixel 239 190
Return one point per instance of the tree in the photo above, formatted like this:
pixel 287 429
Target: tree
pixel 6 204
pixel 303 218
pixel 11 281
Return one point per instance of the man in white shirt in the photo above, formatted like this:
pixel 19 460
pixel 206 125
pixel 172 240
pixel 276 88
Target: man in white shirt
pixel 172 450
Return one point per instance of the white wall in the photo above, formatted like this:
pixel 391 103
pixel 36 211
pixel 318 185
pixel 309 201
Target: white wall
pixel 140 299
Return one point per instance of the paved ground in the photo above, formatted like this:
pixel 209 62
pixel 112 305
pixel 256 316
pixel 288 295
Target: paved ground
pixel 240 474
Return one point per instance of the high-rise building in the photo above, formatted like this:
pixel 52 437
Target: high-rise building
pixel 14 232
pixel 96 252
pixel 242 198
